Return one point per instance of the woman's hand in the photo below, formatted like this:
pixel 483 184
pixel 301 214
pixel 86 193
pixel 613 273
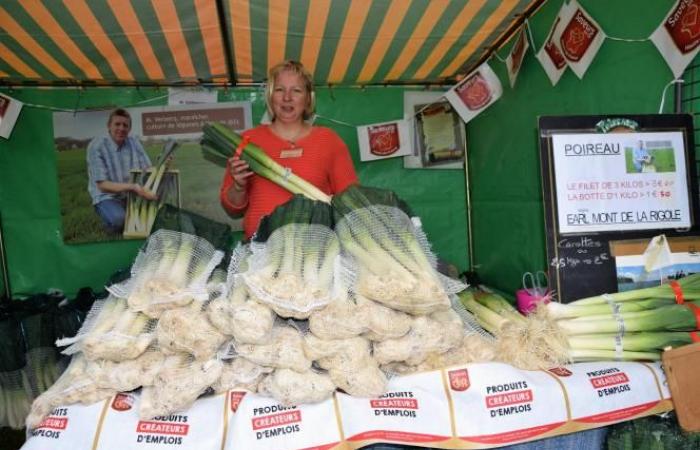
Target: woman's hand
pixel 240 172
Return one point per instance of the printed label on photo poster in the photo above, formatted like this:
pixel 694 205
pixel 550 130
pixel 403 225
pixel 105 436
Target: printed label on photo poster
pixel 414 410
pixel 603 392
pixel 498 404
pixel 262 423
pixel 66 428
pixel 201 426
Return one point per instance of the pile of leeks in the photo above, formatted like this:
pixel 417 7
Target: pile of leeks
pixel 631 325
pixel 634 325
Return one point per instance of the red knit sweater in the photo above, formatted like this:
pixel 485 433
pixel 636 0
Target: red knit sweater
pixel 325 162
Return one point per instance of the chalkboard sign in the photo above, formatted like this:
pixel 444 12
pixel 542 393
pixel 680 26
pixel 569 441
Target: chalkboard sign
pixel 609 178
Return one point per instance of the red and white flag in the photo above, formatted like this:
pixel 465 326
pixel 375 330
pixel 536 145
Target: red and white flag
pixel 475 93
pixel 384 140
pixel 9 111
pixel 549 55
pixel 579 38
pixel 514 61
pixel 678 36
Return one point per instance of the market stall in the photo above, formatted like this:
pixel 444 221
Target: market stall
pixel 392 79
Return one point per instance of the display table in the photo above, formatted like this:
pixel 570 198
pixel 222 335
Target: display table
pixel 464 407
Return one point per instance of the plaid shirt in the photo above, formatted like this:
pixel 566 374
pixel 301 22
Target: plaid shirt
pixel 106 162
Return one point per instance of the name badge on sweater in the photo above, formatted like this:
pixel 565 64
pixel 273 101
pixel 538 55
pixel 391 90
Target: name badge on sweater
pixel 291 153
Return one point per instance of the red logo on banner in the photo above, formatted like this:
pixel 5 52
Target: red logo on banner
pixel 236 399
pixel 553 51
pixel 122 402
pixel 516 56
pixel 577 36
pixel 384 139
pixel 475 92
pixel 683 25
pixel 459 379
pixel 561 371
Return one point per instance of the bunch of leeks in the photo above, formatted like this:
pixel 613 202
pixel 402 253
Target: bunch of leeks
pixel 141 211
pixel 220 143
pixel 631 325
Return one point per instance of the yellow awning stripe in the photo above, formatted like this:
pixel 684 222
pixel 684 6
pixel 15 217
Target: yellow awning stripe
pixel 48 23
pixel 420 34
pixel 313 34
pixel 498 16
pixel 172 31
pixel 392 20
pixel 33 48
pixel 278 16
pixel 16 63
pixel 240 36
pixel 87 21
pixel 128 20
pixel 354 21
pixel 460 23
pixel 207 16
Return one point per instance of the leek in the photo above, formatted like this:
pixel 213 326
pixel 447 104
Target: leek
pixel 222 141
pixel 689 285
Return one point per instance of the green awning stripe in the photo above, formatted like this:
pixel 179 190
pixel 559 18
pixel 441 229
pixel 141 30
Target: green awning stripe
pixel 440 28
pixel 471 30
pixel 151 27
pixel 374 20
pixel 45 41
pixel 191 29
pixel 109 23
pixel 9 70
pixel 28 59
pixel 258 38
pixel 73 30
pixel 331 36
pixel 404 32
pixel 296 26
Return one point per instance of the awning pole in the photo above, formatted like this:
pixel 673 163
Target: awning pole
pixel 3 262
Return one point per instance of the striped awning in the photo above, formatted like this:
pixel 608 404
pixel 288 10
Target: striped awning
pixel 167 42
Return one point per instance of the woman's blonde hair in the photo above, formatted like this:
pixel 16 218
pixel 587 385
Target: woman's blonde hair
pixel 297 68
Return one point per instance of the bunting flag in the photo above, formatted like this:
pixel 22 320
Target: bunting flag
pixel 579 38
pixel 517 54
pixel 475 93
pixel 9 111
pixel 384 140
pixel 550 56
pixel 678 36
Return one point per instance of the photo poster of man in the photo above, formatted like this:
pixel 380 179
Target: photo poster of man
pixel 621 181
pixel 437 132
pixel 151 128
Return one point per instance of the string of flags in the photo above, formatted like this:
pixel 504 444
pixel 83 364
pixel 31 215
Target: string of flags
pixel 572 42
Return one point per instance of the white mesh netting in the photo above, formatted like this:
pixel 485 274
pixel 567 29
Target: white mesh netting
pixel 387 259
pixel 111 331
pixel 293 270
pixel 169 272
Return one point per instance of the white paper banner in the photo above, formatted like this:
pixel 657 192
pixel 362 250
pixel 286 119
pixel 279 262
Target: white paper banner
pixel 9 111
pixel 414 411
pixel 384 140
pixel 201 426
pixel 514 61
pixel 260 423
pixel 678 36
pixel 549 55
pixel 579 38
pixel 620 181
pixel 66 428
pixel 475 93
pixel 603 392
pixel 498 404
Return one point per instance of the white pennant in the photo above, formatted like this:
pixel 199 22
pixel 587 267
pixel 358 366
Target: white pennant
pixel 475 93
pixel 514 61
pixel 549 55
pixel 678 36
pixel 579 38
